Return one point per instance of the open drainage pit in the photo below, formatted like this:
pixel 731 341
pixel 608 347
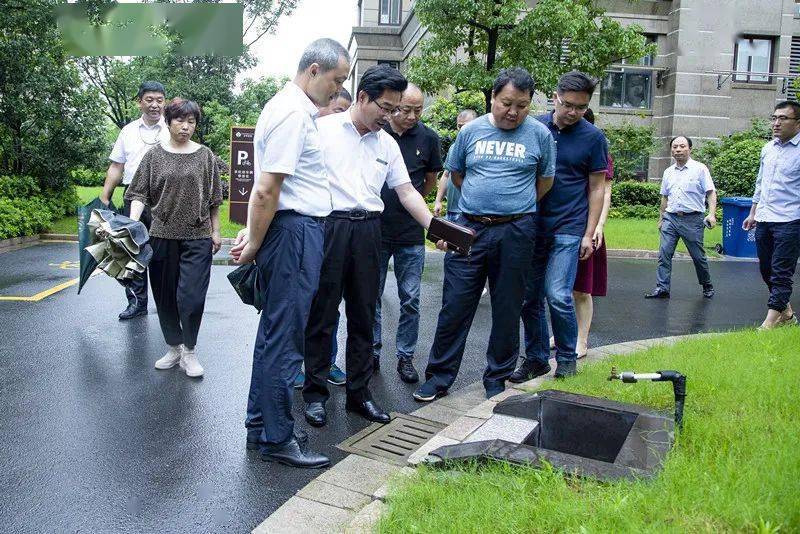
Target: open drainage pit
pixel 587 436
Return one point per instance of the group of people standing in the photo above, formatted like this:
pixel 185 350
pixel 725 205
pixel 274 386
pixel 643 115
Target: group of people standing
pixel 339 189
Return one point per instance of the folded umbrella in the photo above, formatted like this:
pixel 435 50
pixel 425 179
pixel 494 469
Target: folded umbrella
pixel 87 262
pixel 118 245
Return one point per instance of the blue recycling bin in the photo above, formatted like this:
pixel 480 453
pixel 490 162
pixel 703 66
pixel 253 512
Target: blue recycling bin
pixel 735 241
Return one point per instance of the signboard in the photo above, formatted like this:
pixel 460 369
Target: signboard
pixel 242 172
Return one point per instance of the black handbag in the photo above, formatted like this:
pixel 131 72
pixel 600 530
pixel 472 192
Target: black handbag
pixel 244 280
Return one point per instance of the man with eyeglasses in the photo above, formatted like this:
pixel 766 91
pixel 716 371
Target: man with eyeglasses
pixel 775 213
pixel 402 238
pixel 360 157
pixel 685 188
pixel 568 216
pixel 136 138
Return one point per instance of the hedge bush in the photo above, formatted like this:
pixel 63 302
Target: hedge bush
pixel 26 209
pixel 88 177
pixel 735 168
pixel 635 194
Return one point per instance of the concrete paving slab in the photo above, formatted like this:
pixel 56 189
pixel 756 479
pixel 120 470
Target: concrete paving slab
pixel 462 427
pixel 466 398
pixel 320 491
pixel 302 516
pixel 438 412
pixel 366 520
pixel 505 427
pixel 484 410
pixel 359 474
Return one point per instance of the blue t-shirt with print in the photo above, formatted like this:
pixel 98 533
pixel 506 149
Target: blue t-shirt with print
pixel 500 167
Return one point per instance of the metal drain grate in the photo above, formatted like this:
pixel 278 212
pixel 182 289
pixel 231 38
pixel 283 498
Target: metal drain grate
pixel 394 442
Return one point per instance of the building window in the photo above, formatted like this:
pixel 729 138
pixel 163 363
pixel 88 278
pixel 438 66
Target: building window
pixel 389 12
pixel 751 56
pixel 628 87
pixel 394 64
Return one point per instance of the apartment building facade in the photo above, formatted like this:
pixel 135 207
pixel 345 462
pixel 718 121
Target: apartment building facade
pixel 719 63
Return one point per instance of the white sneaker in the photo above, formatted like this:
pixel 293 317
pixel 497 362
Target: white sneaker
pixel 171 358
pixel 190 364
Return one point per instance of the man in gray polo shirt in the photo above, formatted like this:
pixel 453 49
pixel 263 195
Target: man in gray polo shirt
pixel 685 187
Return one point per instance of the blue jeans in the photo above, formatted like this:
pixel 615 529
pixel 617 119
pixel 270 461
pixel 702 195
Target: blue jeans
pixel 555 263
pixel 409 261
pixel 289 263
pixel 502 253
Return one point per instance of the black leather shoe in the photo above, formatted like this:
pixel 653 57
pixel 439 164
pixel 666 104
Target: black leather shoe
pixel 528 370
pixel 132 311
pixel 368 410
pixel 657 294
pixel 315 414
pixel 293 454
pixel 708 291
pixel 405 367
pixel 566 369
pixel 253 442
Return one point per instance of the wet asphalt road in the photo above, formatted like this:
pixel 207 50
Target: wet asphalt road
pixel 96 440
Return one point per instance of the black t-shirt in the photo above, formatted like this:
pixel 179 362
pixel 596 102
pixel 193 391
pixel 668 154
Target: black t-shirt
pixel 421 151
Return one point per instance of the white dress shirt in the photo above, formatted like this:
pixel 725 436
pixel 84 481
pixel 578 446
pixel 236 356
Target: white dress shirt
pixel 286 141
pixel 686 187
pixel 777 189
pixel 358 165
pixel 133 141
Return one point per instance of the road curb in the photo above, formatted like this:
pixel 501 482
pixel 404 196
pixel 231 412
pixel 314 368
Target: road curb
pixel 351 496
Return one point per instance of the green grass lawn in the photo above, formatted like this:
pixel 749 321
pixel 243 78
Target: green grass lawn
pixel 69 225
pixel 642 234
pixel 734 468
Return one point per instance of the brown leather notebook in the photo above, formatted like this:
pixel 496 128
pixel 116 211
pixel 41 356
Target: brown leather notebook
pixel 458 238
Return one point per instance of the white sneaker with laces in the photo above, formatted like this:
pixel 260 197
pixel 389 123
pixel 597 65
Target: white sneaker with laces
pixel 171 358
pixel 190 364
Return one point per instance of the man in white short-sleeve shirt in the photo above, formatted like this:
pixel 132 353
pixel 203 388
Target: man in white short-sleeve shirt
pixel 284 236
pixel 136 138
pixel 359 157
pixel 685 188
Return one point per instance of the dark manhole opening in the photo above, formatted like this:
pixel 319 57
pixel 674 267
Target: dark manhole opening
pixel 393 442
pixel 587 436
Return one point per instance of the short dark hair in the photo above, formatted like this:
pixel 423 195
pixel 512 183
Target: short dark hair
pixel 343 93
pixel 789 104
pixel 150 87
pixel 178 108
pixel 379 78
pixel 688 140
pixel 516 76
pixel 325 53
pixel 589 115
pixel 577 82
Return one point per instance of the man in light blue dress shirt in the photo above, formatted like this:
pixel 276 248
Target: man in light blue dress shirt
pixel 775 213
pixel 685 188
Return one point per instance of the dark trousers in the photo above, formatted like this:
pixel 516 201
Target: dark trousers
pixel 136 288
pixel 289 262
pixel 690 228
pixel 778 248
pixel 179 274
pixel 503 254
pixel 351 269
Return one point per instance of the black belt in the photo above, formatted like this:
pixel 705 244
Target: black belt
pixel 355 215
pixel 490 220
pixel 685 213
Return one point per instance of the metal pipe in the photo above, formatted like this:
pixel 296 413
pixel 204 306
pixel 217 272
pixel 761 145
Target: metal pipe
pixel 678 386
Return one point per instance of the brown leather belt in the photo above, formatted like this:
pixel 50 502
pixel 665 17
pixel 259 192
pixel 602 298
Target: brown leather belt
pixel 490 220
pixel 685 213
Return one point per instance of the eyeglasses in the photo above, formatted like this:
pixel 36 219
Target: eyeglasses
pixel 389 110
pixel 570 106
pixel 782 118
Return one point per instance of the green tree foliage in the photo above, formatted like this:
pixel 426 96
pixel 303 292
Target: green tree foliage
pixel 471 40
pixel 733 160
pixel 441 114
pixel 629 146
pixel 49 123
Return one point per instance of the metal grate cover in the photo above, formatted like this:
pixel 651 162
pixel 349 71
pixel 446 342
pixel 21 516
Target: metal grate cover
pixel 393 442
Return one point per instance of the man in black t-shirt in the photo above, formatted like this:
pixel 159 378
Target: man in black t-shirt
pixel 401 236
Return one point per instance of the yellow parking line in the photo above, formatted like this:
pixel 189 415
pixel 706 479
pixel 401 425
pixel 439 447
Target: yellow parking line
pixel 47 292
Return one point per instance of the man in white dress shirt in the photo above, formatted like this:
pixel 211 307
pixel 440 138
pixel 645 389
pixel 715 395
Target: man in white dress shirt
pixel 136 138
pixel 685 188
pixel 285 235
pixel 360 156
pixel 775 213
